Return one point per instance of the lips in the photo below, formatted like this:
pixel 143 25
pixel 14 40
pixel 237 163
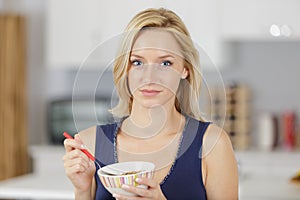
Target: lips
pixel 150 93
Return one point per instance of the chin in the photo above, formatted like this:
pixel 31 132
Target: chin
pixel 153 103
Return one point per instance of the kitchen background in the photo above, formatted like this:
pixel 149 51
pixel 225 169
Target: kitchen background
pixel 238 36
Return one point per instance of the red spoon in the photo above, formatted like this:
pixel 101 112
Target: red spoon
pixel 108 170
pixel 85 151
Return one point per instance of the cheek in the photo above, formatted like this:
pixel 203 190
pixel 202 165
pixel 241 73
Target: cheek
pixel 171 80
pixel 134 80
pixel 171 83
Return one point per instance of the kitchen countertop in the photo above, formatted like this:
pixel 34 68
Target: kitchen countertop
pixel 263 176
pixel 35 186
pixel 268 188
pixel 48 180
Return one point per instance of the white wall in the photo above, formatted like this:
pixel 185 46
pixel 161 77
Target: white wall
pixel 270 68
pixel 34 10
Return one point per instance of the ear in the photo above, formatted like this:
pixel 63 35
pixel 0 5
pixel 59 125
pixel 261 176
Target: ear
pixel 184 73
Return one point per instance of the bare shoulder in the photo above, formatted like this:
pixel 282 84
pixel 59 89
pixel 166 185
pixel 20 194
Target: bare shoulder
pixel 88 137
pixel 220 164
pixel 216 139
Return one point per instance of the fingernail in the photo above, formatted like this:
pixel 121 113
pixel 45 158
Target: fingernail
pixel 125 186
pixel 116 195
pixel 82 147
pixel 138 180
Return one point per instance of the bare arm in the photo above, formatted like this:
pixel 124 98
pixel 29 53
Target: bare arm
pixel 221 173
pixel 79 169
pixel 88 137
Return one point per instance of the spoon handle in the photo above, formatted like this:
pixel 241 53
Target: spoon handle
pixel 85 151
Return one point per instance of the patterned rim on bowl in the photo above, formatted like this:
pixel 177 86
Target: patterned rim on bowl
pixel 118 181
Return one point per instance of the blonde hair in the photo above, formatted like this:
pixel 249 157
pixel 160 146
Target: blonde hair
pixel 189 89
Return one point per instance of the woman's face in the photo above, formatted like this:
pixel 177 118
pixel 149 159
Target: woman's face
pixel 156 67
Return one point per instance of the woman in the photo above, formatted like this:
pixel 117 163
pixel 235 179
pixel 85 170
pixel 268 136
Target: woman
pixel 158 83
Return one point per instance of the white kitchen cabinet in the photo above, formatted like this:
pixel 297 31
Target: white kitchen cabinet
pixel 252 19
pixel 202 19
pixel 75 27
pixel 71 31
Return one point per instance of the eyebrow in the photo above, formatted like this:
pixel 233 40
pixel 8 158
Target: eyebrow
pixel 163 56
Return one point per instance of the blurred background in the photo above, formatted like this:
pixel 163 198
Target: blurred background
pixel 250 63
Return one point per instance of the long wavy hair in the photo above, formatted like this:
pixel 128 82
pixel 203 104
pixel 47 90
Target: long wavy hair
pixel 189 89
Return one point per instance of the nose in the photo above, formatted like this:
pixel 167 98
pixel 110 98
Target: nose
pixel 149 73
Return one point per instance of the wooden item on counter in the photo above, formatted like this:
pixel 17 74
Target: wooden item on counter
pixel 232 112
pixel 13 113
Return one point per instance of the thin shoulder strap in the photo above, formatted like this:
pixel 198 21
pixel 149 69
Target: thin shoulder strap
pixel 105 143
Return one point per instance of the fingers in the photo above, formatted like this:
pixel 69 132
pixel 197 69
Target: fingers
pixel 75 162
pixel 77 167
pixel 151 191
pixel 74 157
pixel 136 190
pixel 71 144
pixel 77 137
pixel 146 181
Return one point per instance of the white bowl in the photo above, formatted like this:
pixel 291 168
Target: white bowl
pixel 113 183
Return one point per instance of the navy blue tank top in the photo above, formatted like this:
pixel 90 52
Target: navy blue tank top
pixel 184 180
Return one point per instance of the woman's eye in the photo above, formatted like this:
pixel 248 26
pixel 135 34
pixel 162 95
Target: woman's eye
pixel 166 63
pixel 136 63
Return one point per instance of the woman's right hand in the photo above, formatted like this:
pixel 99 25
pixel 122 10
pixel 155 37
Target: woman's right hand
pixel 78 167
